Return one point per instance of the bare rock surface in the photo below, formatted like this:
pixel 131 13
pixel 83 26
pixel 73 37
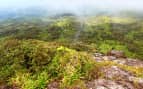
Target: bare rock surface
pixel 104 84
pixel 116 53
pixel 53 85
pixel 4 87
pixel 134 62
pixel 114 76
pixel 114 56
pixel 115 72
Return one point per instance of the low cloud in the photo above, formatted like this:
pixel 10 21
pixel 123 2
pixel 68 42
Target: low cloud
pixel 76 6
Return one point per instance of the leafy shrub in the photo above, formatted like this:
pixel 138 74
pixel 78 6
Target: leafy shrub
pixel 109 45
pixel 70 65
pixel 22 56
pixel 6 72
pixel 31 63
pixel 28 81
pixel 29 53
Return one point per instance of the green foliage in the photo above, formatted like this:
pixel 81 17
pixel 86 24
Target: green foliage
pixel 24 56
pixel 70 65
pixel 109 45
pixel 61 30
pixel 5 72
pixel 28 81
pixel 126 31
pixel 31 64
pixel 27 53
pixel 104 48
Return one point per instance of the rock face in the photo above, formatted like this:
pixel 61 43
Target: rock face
pixel 53 85
pixel 116 53
pixel 4 87
pixel 104 84
pixel 116 77
pixel 115 72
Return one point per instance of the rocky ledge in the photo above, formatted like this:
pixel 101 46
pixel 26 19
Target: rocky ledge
pixel 117 76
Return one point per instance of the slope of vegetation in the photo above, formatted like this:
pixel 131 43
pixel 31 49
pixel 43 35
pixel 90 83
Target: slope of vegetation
pixel 35 53
pixel 31 64
pixel 104 33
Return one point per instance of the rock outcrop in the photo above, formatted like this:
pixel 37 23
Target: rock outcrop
pixel 115 76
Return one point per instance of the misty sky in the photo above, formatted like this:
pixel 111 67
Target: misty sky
pixel 73 4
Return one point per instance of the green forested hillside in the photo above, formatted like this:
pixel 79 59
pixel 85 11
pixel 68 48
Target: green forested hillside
pixel 37 52
pixel 103 33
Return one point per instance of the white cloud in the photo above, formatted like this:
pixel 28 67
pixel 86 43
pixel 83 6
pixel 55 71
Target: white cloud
pixel 74 4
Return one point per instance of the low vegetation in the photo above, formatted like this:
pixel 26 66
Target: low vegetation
pixel 36 54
